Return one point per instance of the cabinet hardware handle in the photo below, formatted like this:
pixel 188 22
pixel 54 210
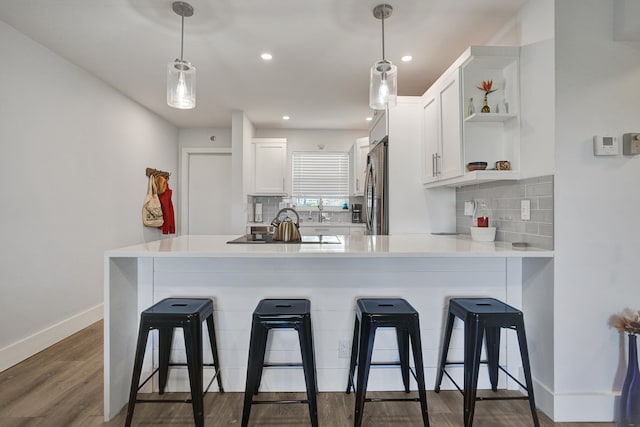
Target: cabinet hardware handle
pixel 433 165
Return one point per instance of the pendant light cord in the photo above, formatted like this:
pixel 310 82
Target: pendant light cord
pixel 383 58
pixel 182 38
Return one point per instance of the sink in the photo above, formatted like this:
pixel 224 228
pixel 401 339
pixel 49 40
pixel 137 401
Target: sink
pixel 268 238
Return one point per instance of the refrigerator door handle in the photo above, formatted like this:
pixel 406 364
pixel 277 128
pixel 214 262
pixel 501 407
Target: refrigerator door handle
pixel 368 180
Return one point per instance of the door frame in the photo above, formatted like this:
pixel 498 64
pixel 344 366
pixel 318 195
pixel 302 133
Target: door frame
pixel 184 179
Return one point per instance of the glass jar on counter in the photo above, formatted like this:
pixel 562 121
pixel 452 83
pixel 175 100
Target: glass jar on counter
pixel 481 214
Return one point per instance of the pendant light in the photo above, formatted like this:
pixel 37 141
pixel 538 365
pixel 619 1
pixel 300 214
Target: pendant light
pixel 383 83
pixel 181 75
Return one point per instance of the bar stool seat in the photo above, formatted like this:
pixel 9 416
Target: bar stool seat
pixel 374 313
pixel 166 315
pixel 484 318
pixel 280 314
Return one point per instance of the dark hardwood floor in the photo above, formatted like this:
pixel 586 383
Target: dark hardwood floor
pixel 62 386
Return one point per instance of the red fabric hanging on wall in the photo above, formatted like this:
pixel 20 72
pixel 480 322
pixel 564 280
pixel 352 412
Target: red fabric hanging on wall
pixel 169 225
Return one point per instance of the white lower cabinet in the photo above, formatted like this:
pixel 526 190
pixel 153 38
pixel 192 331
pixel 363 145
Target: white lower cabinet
pixel 357 231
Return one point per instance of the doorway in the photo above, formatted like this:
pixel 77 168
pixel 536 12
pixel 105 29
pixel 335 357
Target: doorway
pixel 206 191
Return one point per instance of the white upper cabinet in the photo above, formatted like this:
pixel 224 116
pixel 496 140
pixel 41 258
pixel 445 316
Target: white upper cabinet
pixel 270 166
pixel 442 130
pixel 456 134
pixel 359 152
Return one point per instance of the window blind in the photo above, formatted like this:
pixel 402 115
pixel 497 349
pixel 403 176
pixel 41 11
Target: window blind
pixel 320 174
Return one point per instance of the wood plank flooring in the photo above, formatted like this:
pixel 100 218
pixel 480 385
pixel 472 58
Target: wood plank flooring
pixel 62 386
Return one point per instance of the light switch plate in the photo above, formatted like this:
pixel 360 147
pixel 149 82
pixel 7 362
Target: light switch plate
pixel 468 208
pixel 525 210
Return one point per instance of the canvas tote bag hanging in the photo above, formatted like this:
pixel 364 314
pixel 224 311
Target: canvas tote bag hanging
pixel 151 209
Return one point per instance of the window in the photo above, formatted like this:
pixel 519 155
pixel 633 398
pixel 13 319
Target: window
pixel 320 177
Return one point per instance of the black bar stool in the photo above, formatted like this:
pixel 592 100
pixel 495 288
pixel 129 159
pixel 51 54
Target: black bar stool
pixel 278 314
pixel 373 313
pixel 170 313
pixel 484 317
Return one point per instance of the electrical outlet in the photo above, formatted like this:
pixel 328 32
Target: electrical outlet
pixel 468 208
pixel 525 210
pixel 344 349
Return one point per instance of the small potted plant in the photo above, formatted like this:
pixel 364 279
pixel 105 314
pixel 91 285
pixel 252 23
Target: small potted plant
pixel 486 88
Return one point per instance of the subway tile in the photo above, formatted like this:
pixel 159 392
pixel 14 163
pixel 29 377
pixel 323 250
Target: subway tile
pixel 545 216
pixel 546 230
pixel 545 202
pixel 504 200
pixel 543 189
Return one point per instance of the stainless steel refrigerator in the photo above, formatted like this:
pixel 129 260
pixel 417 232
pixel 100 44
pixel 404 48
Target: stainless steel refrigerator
pixel 376 206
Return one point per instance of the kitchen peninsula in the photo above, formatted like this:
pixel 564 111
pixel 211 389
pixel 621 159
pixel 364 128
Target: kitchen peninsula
pixel 424 269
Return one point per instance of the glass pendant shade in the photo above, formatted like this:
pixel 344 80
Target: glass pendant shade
pixel 383 85
pixel 181 85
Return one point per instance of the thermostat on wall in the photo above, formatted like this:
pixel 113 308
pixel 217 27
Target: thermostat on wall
pixel 605 146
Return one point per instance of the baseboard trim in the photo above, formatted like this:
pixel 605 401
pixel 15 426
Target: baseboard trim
pixel 27 347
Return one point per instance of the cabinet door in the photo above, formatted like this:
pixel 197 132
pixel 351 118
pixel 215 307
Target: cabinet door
pixel 270 167
pixel 451 123
pixel 356 231
pixel 431 143
pixel 360 151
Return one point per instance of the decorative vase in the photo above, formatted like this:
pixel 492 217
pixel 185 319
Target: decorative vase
pixel 629 408
pixel 485 107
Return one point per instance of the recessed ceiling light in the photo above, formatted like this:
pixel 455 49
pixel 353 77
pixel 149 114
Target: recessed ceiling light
pixel 266 56
pixel 369 119
pixel 285 117
pixel 406 58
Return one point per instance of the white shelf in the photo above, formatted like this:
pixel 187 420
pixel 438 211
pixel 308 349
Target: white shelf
pixel 475 177
pixel 490 117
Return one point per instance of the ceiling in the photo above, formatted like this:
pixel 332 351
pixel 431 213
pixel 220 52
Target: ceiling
pixel 322 51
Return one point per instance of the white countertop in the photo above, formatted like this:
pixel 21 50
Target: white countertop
pixel 399 246
pixel 316 224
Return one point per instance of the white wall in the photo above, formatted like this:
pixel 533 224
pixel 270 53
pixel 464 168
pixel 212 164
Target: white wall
pixel 596 205
pixel 73 154
pixel 533 30
pixel 595 81
pixel 201 137
pixel 308 140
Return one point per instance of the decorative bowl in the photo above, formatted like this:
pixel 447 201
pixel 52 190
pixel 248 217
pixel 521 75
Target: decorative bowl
pixel 476 166
pixel 483 234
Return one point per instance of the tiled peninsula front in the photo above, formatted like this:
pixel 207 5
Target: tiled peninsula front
pixel 426 270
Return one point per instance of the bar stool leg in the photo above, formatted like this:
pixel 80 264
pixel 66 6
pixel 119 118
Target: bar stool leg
pixel 254 367
pixel 524 354
pixel 165 338
pixel 214 351
pixel 354 356
pixel 473 349
pixel 193 346
pixel 263 336
pixel 309 368
pixel 367 335
pixel 416 346
pixel 493 354
pixel 403 349
pixel 445 350
pixel 143 334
